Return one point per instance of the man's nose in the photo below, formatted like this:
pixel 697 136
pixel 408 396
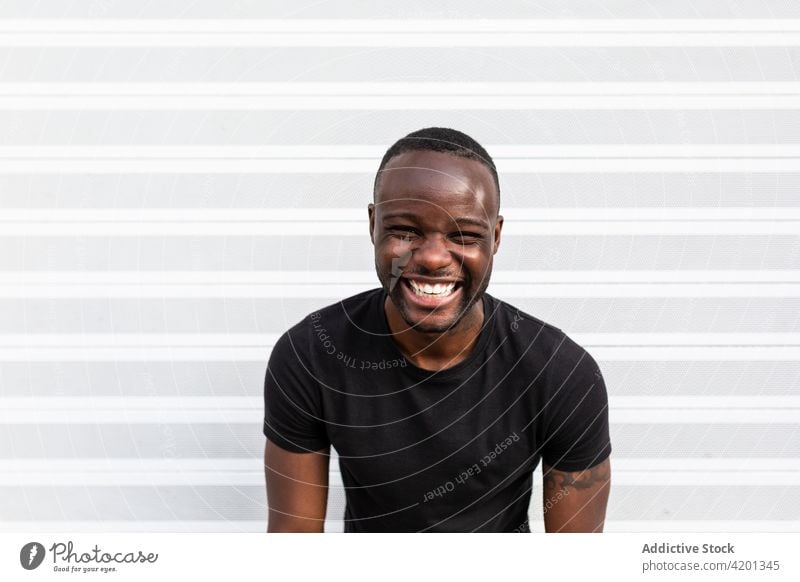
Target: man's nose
pixel 432 253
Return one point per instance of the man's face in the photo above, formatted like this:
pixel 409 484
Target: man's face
pixel 435 228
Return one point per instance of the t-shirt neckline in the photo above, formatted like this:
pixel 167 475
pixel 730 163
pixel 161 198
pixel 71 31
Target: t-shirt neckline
pixel 448 373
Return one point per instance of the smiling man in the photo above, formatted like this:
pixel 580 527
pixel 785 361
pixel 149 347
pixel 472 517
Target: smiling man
pixel 440 399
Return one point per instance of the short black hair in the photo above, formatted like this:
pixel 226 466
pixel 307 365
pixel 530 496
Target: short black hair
pixel 440 139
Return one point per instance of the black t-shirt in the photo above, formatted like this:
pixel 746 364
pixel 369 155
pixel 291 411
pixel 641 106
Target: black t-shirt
pixel 436 451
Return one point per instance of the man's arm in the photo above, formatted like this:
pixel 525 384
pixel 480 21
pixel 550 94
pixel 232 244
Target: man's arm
pixel 297 489
pixel 575 501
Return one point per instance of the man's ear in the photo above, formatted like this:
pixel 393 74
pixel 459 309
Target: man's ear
pixel 498 228
pixel 371 213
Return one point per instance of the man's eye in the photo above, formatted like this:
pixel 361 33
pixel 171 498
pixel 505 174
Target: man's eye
pixel 466 238
pixel 402 232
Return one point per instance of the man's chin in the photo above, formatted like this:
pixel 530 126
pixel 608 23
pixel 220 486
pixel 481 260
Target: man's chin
pixel 425 326
pixel 432 322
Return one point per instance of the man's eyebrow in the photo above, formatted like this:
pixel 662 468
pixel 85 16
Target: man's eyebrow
pixel 393 215
pixel 473 221
pixel 462 220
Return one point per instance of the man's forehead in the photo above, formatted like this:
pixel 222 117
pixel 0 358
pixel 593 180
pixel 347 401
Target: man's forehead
pixel 436 177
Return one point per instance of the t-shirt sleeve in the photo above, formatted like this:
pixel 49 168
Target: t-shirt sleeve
pixel 293 417
pixel 577 435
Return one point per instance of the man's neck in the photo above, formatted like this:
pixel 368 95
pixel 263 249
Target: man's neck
pixel 435 351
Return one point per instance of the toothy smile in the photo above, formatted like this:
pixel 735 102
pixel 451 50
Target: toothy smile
pixel 438 289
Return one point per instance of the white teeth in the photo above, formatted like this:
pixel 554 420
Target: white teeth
pixel 427 289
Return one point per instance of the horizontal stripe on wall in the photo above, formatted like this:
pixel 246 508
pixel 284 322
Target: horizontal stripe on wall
pixel 335 191
pixel 331 291
pixel 150 410
pixel 245 340
pixel 182 128
pixel 400 33
pixel 501 152
pixel 312 153
pixel 723 379
pixel 659 277
pixel 392 88
pixel 368 26
pixel 311 228
pixel 250 403
pixel 242 347
pixel 378 128
pixel 452 64
pixel 176 503
pixel 250 472
pixel 188 315
pixel 338 284
pixel 348 159
pixel 237 440
pixel 325 253
pixel 350 222
pixel 333 215
pixel 353 9
pixel 52 97
pixel 158 165
pixel 241 354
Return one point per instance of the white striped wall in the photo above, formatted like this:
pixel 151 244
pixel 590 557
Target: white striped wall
pixel 390 96
pixel 598 124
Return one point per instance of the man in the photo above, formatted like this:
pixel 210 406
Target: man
pixel 439 398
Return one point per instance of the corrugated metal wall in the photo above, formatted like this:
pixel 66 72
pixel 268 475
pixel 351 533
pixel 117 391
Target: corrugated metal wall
pixel 181 181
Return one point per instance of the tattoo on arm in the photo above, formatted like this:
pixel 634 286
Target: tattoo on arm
pixel 563 480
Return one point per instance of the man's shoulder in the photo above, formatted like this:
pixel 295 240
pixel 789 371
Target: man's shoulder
pixel 523 325
pixel 552 342
pixel 332 319
pixel 356 305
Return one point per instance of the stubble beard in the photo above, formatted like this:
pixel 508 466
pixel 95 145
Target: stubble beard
pixel 395 293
